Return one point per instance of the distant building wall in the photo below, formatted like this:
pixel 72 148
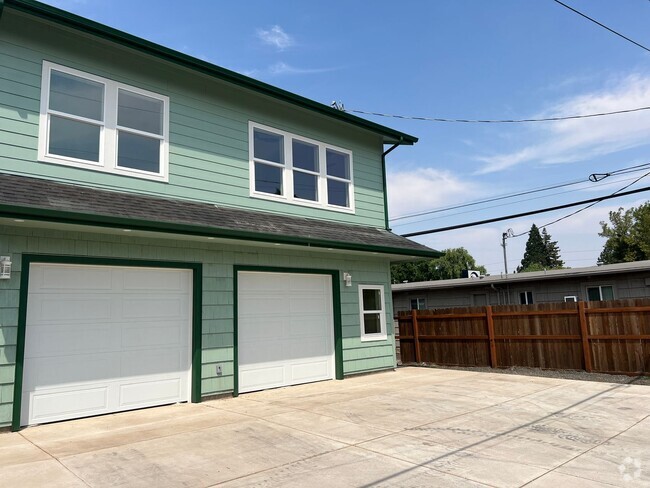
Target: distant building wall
pixel 624 285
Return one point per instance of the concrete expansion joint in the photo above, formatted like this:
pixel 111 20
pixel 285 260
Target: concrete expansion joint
pixel 52 456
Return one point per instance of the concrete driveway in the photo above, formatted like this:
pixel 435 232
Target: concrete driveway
pixel 411 427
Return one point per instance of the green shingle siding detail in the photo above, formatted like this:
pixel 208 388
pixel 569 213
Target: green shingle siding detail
pixel 208 125
pixel 217 308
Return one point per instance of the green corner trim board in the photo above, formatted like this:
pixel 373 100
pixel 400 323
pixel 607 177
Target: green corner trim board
pixel 79 23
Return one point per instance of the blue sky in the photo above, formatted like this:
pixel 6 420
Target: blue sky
pixel 453 59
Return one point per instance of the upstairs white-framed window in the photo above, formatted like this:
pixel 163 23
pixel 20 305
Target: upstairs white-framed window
pixel 372 313
pixel 91 122
pixel 294 169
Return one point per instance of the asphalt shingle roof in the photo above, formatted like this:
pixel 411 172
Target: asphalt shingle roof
pixel 36 198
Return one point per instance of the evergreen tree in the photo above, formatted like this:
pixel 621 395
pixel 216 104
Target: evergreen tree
pixel 552 251
pixel 541 252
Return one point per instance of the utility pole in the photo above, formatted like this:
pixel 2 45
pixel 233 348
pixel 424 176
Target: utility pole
pixel 509 233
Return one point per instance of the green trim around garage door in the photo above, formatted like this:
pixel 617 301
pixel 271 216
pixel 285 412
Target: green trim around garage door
pixel 336 311
pixel 197 300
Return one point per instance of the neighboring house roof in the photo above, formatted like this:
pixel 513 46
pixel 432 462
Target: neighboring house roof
pixel 37 199
pixel 552 274
pixel 67 19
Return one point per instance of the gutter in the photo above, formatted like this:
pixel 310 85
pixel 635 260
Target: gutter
pixel 88 26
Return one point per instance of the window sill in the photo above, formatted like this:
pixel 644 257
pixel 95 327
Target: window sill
pixel 301 203
pixel 374 338
pixel 98 167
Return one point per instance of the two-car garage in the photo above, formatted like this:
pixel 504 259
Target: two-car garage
pixel 107 338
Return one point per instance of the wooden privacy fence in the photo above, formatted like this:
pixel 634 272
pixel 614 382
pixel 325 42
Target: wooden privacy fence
pixel 608 337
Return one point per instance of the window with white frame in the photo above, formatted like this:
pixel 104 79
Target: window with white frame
pixel 295 169
pixel 372 311
pixel 92 122
pixel 417 304
pixel 600 292
pixel 526 297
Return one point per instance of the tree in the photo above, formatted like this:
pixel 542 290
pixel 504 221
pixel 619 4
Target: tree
pixel 627 234
pixel 541 252
pixel 448 266
pixel 553 259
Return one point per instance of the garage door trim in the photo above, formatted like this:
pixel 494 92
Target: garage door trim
pixel 336 308
pixel 197 293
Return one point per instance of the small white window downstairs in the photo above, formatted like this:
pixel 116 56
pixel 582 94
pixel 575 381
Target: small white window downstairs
pixel 289 168
pixel 95 123
pixel 372 313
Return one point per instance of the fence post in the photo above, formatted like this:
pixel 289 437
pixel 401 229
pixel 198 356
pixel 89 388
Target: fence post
pixel 490 327
pixel 416 335
pixel 584 333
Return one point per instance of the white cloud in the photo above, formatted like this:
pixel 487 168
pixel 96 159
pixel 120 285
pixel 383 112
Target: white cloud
pixel 282 68
pixel 582 139
pixel 426 188
pixel 276 37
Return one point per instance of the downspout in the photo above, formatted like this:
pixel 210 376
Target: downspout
pixel 2 6
pixel 383 176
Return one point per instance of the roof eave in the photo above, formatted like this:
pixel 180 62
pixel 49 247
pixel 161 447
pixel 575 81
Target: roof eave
pixel 62 17
pixel 96 220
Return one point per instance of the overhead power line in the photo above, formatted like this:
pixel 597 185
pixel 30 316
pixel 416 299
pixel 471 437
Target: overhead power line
pixel 617 192
pixel 602 25
pixel 494 121
pixel 594 178
pixel 525 214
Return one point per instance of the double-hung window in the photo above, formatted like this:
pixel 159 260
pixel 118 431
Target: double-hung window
pixel 294 169
pixel 372 312
pixel 92 122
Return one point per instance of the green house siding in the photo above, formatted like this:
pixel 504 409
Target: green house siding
pixel 218 261
pixel 208 124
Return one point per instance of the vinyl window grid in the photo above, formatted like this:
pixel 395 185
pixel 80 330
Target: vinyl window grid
pixel 288 170
pixel 381 335
pixel 109 128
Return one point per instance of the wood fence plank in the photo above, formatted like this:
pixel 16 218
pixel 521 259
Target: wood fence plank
pixel 490 328
pixel 584 332
pixel 416 334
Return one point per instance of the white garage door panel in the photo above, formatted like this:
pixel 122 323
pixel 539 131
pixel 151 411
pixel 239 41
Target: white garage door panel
pixel 285 329
pixel 160 307
pixel 66 370
pixel 50 309
pixel 70 404
pixel 150 393
pixel 57 279
pixel 107 339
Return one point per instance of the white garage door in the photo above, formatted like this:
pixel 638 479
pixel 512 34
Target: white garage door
pixel 285 329
pixel 103 339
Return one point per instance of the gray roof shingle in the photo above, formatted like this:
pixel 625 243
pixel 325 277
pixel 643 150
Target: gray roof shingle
pixel 43 199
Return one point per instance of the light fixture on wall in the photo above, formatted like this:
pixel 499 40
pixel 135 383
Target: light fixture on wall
pixel 347 277
pixel 5 267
